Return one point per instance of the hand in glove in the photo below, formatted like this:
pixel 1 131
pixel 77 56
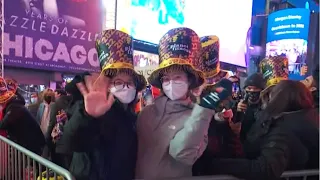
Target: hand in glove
pixel 213 99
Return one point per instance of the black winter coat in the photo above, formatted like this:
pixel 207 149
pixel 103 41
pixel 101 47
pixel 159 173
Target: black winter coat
pixel 304 125
pixel 104 148
pixel 22 127
pixel 271 147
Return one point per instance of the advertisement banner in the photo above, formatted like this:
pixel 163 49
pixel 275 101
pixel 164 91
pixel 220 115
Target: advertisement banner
pixel 55 35
pixel 145 63
pixel 288 24
pixel 287 35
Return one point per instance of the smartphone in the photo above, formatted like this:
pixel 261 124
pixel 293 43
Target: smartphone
pixel 147 96
pixel 245 99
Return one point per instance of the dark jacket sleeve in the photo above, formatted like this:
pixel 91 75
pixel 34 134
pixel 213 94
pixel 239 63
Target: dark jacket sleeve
pixel 53 120
pixel 12 115
pixel 79 133
pixel 272 162
pixel 7 120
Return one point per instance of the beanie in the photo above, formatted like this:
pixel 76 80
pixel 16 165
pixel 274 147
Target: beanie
pixel 256 80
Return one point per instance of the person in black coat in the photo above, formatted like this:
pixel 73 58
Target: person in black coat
pixel 284 137
pixel 245 112
pixel 59 154
pixel 20 125
pixel 101 133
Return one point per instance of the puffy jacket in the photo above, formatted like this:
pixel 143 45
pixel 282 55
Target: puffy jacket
pixel 103 148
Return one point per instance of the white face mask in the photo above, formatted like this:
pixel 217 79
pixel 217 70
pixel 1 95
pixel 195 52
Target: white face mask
pixel 125 95
pixel 33 100
pixel 175 90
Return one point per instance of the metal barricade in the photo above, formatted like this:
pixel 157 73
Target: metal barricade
pixel 18 163
pixel 288 175
pixel 305 174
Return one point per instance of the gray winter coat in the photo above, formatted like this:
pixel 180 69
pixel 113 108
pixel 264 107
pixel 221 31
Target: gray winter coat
pixel 172 135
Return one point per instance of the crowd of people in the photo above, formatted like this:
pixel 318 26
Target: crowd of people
pixel 197 126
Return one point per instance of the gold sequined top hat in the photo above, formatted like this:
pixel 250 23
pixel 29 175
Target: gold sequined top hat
pixel 115 52
pixel 12 85
pixel 178 48
pixel 210 64
pixel 5 94
pixel 274 69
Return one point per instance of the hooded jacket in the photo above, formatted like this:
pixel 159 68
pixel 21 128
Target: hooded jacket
pixel 172 135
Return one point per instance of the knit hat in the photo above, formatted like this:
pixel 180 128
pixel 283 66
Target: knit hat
pixel 5 94
pixel 256 80
pixel 179 49
pixel 115 55
pixel 210 62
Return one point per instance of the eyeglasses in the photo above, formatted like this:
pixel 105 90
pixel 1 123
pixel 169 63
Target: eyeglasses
pixel 120 84
pixel 165 80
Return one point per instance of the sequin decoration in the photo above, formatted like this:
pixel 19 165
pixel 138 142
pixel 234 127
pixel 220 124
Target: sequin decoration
pixel 114 46
pixel 210 64
pixel 3 87
pixel 181 43
pixel 274 68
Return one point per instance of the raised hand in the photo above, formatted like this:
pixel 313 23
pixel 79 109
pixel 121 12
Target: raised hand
pixel 97 100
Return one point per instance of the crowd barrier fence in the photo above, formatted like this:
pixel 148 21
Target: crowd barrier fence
pixel 18 163
pixel 288 175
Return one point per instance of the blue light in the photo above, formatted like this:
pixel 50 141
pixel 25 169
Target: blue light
pixel 307 5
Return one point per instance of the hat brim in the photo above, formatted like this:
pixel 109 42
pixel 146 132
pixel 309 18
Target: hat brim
pixel 4 98
pixel 124 67
pixel 154 78
pixel 273 82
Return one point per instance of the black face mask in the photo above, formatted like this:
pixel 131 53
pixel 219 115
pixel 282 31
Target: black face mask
pixel 253 97
pixel 48 99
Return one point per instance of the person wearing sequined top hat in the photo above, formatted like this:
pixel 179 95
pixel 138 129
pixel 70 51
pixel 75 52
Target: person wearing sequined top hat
pixel 18 122
pixel 274 69
pixel 220 136
pixel 172 132
pixel 13 86
pixel 102 128
pixel 210 66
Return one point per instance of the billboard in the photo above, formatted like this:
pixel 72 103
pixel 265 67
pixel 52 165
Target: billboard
pixel 55 35
pixel 287 35
pixel 149 20
pixel 145 63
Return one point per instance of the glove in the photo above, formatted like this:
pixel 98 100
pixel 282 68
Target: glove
pixel 213 99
